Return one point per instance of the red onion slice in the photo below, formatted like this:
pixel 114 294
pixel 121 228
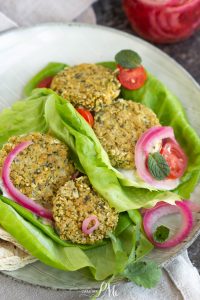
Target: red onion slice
pixel 86 223
pixel 144 146
pixel 154 135
pixel 14 192
pixel 152 215
pixel 75 175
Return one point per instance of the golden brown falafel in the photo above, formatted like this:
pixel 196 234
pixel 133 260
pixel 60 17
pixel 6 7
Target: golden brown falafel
pixel 88 85
pixel 76 201
pixel 39 170
pixel 119 126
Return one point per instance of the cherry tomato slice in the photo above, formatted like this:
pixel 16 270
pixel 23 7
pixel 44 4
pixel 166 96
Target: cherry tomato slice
pixel 86 114
pixel 45 83
pixel 175 157
pixel 132 79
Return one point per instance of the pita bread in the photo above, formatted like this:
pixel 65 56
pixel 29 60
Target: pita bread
pixel 12 255
pixel 4 235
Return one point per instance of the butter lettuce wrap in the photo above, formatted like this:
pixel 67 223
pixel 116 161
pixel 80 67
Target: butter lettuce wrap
pixel 39 244
pixel 101 260
pixel 71 128
pixel 171 113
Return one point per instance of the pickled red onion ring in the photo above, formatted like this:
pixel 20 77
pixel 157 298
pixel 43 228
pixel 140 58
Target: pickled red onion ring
pixel 144 146
pixel 152 215
pixel 14 192
pixel 75 175
pixel 86 223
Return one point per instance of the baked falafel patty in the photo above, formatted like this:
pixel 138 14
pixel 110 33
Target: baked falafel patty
pixel 76 201
pixel 88 85
pixel 40 169
pixel 119 126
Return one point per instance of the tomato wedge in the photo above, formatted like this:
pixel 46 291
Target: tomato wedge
pixel 132 79
pixel 175 157
pixel 45 83
pixel 86 114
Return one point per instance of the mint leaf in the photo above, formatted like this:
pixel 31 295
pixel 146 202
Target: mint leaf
pixel 157 165
pixel 143 273
pixel 128 59
pixel 161 234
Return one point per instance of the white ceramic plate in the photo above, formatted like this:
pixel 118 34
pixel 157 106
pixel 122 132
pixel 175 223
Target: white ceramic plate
pixel 24 52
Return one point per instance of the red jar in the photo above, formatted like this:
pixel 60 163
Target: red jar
pixel 163 21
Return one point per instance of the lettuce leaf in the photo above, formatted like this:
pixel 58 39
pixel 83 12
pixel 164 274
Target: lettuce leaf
pixel 101 260
pixel 49 70
pixel 126 249
pixel 48 228
pixel 23 117
pixel 39 245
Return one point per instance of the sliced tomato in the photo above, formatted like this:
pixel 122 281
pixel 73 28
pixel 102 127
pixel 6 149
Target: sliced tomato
pixel 45 83
pixel 175 157
pixel 132 79
pixel 86 114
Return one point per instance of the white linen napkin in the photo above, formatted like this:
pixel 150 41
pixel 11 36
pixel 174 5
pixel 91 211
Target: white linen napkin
pixel 180 279
pixel 15 13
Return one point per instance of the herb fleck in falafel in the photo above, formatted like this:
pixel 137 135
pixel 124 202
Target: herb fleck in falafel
pixel 39 170
pixel 88 85
pixel 75 202
pixel 119 126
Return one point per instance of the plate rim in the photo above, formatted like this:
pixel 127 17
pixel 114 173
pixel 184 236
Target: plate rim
pixel 196 85
pixel 114 30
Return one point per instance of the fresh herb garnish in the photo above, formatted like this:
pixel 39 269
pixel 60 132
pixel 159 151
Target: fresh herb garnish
pixel 128 59
pixel 161 234
pixel 157 165
pixel 143 273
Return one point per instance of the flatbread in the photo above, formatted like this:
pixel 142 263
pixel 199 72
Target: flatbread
pixel 4 235
pixel 12 255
